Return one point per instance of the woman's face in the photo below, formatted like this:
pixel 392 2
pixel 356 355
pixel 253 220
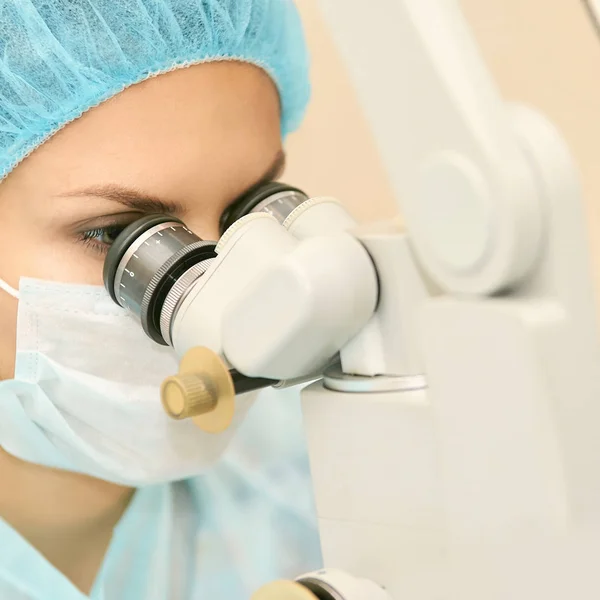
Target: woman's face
pixel 187 143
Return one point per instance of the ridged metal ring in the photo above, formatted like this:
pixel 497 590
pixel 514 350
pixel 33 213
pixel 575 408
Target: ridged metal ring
pixel 177 295
pixel 160 274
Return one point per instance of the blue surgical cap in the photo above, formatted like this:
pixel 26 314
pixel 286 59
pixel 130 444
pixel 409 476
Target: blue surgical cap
pixel 59 58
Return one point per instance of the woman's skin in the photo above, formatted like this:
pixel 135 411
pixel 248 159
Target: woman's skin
pixel 195 139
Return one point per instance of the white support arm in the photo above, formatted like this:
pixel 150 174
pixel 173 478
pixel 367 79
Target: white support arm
pixel 466 188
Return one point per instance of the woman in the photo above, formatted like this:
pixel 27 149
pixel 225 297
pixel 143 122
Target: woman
pixel 110 109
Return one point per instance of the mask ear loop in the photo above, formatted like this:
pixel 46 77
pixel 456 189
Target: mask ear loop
pixel 9 290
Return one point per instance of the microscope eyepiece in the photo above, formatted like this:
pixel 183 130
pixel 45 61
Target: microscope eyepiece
pixel 150 267
pixel 155 261
pixel 277 199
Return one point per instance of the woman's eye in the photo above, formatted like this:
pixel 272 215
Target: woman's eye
pixel 101 238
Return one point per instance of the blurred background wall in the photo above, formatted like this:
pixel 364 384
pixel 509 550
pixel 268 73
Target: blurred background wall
pixel 334 154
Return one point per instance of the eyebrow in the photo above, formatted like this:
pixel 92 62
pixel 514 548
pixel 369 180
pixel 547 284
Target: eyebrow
pixel 140 201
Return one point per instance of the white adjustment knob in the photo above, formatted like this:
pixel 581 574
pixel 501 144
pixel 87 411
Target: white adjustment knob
pixel 456 208
pixel 333 584
pixel 472 232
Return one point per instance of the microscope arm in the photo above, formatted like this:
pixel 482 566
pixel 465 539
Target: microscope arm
pixel 466 188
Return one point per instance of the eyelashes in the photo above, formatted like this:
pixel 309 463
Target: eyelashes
pixel 100 239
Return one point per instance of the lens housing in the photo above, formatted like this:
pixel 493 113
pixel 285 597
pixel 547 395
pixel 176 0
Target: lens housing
pixel 275 198
pixel 146 261
pixel 155 261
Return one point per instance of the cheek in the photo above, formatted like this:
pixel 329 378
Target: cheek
pixel 8 327
pixel 69 261
pixel 32 253
pixel 25 251
pixel 41 249
pixel 58 258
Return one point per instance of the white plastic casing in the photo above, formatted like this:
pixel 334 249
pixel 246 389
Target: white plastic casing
pixel 402 293
pixel 277 307
pixel 298 313
pixel 402 290
pixel 247 248
pixel 466 189
pixel 488 484
pixel 318 216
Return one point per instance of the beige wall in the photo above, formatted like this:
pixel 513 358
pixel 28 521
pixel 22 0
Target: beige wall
pixel 333 154
pixel 545 53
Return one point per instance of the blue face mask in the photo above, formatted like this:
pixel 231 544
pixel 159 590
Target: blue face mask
pixel 86 392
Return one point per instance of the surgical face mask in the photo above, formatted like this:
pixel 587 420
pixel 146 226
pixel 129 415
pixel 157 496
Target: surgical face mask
pixel 86 392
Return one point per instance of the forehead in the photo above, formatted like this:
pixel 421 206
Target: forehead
pixel 187 132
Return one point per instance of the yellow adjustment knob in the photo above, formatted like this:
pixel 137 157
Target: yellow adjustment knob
pixel 283 590
pixel 188 395
pixel 203 390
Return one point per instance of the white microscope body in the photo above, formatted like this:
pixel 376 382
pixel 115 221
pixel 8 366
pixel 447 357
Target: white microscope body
pixel 487 484
pixel 455 453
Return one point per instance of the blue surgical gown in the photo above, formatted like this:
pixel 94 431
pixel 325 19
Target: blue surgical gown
pixel 219 536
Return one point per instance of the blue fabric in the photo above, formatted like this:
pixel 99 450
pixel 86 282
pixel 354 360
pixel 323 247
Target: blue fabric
pixel 219 536
pixel 58 58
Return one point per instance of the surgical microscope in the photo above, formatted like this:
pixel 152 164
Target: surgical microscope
pixel 453 419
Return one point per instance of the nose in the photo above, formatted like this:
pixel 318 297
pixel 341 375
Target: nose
pixel 206 228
